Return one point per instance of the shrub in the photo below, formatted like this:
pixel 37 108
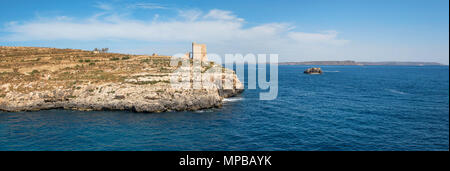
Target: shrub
pixel 150 82
pixel 125 57
pixel 34 72
pixel 145 60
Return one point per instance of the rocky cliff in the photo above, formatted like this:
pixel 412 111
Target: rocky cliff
pixel 49 78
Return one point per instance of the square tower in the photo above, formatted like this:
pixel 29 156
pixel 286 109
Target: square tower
pixel 199 51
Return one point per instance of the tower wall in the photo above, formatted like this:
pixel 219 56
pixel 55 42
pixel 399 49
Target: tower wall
pixel 199 52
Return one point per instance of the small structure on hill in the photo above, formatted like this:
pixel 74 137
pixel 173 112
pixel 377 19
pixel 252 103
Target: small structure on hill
pixel 198 52
pixel 103 50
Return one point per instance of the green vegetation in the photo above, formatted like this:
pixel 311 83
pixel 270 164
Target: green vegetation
pixel 73 69
pixel 164 70
pixel 150 82
pixel 208 67
pixel 145 60
pixel 34 72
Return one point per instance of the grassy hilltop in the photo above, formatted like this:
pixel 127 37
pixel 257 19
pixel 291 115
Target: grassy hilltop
pixel 69 67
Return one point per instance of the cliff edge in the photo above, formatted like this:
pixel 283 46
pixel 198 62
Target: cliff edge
pixel 48 78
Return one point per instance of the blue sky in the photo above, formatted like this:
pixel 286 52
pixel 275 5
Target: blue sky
pixel 361 30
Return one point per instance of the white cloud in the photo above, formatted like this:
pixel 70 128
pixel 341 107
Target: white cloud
pixel 104 6
pixel 329 37
pixel 189 15
pixel 155 17
pixel 144 5
pixel 223 31
pixel 217 14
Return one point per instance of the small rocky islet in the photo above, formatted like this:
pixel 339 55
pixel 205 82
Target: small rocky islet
pixel 313 71
pixel 33 78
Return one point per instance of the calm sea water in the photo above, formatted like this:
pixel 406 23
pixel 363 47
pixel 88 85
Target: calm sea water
pixel 346 108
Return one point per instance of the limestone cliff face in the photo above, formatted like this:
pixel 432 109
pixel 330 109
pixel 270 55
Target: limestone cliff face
pixel 119 96
pixel 109 84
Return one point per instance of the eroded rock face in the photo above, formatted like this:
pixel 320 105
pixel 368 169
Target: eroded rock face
pixel 34 78
pixel 120 96
pixel 313 71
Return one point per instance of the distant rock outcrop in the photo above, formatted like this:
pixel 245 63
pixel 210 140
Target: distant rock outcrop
pixel 313 71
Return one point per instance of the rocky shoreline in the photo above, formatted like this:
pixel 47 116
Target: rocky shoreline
pixel 119 96
pixel 34 79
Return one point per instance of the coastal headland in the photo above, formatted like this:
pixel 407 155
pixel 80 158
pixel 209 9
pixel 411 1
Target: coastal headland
pixel 33 78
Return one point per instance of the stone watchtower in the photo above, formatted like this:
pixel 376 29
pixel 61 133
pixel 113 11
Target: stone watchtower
pixel 199 51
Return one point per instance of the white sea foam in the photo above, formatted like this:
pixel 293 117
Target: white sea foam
pixel 232 99
pixel 397 92
pixel 204 111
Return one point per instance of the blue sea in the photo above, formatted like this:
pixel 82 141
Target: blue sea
pixel 346 108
